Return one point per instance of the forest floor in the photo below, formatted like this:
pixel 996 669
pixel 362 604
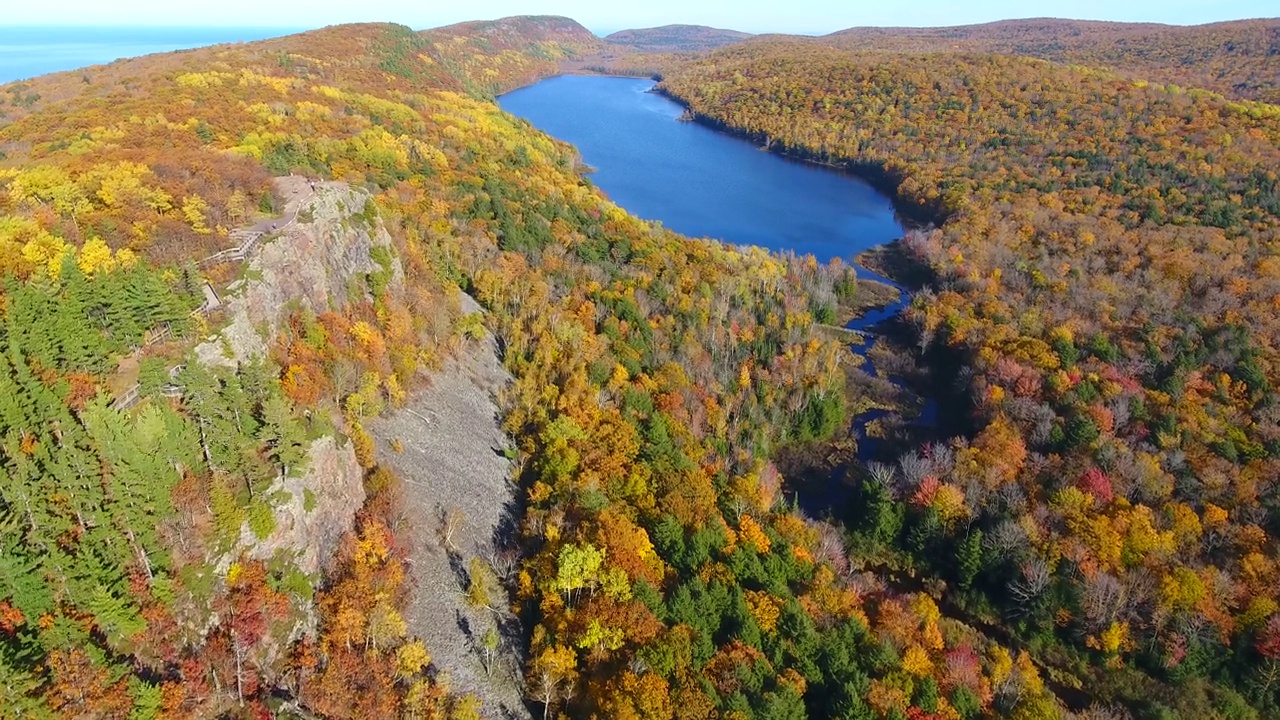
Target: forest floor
pixel 459 504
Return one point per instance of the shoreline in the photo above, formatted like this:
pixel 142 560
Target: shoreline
pixel 912 215
pixel 571 73
pixel 912 218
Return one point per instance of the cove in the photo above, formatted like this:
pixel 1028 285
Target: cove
pixel 701 182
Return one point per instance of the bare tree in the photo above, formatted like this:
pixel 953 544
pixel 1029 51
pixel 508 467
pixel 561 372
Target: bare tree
pixel 1104 600
pixel 1006 540
pixel 489 645
pixel 914 469
pixel 450 521
pixel 883 475
pixel 505 562
pixel 1031 583
pixel 830 548
pixel 942 457
pixel 1102 712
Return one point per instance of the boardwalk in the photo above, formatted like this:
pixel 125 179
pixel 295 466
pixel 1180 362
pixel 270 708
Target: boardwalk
pixel 250 236
pixel 248 239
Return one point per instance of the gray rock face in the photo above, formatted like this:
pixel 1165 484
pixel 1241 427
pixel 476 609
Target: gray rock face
pixel 319 259
pixel 314 508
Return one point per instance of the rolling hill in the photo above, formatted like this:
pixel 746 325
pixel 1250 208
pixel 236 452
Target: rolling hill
pixel 676 38
pixel 1239 59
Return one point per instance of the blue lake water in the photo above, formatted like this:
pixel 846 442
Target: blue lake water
pixel 26 52
pixel 701 182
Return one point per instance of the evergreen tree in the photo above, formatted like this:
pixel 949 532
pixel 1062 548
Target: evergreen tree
pixel 116 309
pixel 80 345
pixel 282 434
pixel 224 418
pixel 140 478
pixel 882 518
pixel 969 558
pixel 20 574
pixel 21 691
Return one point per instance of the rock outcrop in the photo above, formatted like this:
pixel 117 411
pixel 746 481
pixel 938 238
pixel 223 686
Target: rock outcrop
pixel 314 509
pixel 329 248
pixel 328 245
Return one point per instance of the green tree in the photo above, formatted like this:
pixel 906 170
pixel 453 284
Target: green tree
pixel 969 558
pixel 282 434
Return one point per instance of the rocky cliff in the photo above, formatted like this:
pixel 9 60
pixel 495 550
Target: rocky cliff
pixel 321 254
pixel 327 246
pixel 313 509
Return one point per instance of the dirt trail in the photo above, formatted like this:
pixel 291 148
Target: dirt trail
pixel 295 190
pixel 452 462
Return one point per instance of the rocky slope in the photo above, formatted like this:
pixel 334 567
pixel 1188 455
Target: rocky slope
pixel 459 502
pixel 313 509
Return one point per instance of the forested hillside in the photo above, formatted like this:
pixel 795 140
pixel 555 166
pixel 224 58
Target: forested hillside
pixel 1239 59
pixel 492 57
pixel 654 377
pixel 675 38
pixel 1105 283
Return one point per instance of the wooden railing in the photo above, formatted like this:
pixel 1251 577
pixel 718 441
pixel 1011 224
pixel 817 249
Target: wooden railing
pixel 128 398
pixel 235 254
pixel 248 238
pixel 133 394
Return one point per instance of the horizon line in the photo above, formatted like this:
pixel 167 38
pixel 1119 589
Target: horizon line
pixel 608 30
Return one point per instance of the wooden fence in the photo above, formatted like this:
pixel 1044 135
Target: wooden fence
pixel 248 239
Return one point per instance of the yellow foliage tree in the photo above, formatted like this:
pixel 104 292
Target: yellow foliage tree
pixel 94 257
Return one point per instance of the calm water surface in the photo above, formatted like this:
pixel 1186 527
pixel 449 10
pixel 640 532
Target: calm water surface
pixel 26 52
pixel 701 182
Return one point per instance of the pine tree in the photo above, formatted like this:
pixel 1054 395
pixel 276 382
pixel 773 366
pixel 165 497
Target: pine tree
pixel 21 691
pixel 20 575
pixel 224 417
pixel 46 456
pixel 969 558
pixel 80 345
pixel 140 479
pixel 282 434
pixel 28 321
pixel 116 306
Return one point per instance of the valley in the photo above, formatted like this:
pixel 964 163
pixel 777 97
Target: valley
pixel 532 399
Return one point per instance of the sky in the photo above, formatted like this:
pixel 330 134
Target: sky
pixel 602 16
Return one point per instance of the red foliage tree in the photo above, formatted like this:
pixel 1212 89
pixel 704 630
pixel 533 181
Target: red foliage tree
pixel 1096 483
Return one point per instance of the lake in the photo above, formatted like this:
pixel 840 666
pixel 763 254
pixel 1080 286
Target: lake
pixel 26 52
pixel 699 181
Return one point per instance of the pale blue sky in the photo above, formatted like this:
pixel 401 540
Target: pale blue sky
pixel 811 16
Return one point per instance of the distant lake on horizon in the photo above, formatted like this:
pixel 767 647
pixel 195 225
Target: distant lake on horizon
pixel 27 52
pixel 702 182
